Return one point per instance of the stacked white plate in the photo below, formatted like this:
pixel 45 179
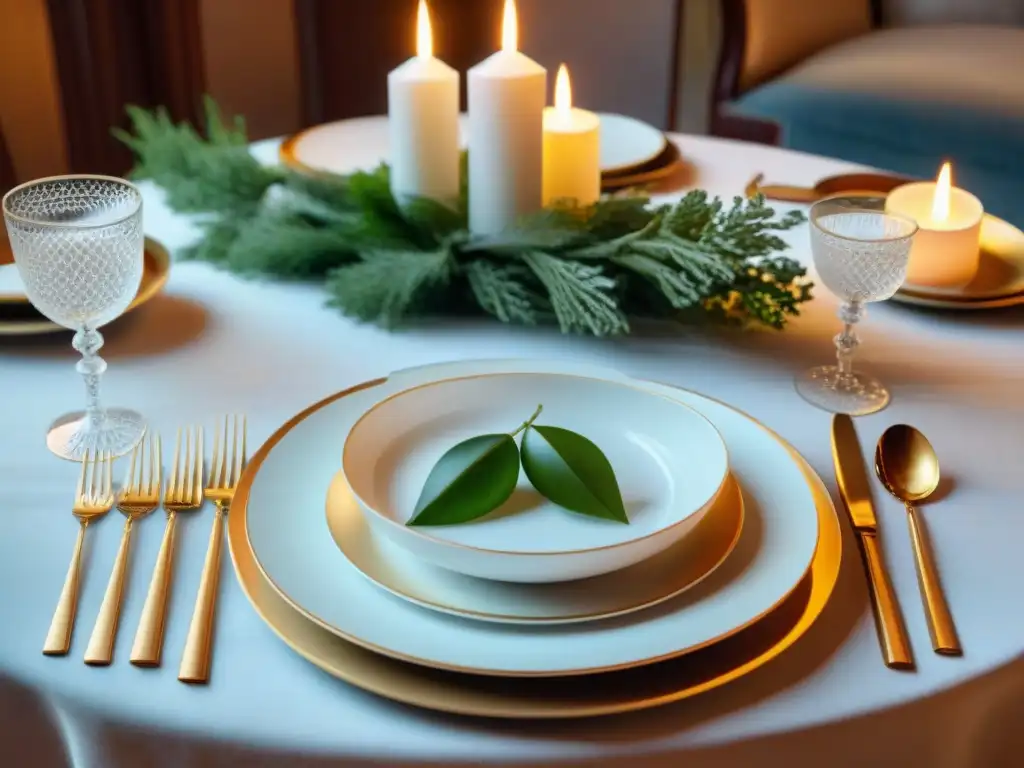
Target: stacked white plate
pixel 723 524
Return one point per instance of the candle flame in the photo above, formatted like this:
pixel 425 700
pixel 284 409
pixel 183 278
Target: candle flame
pixel 940 203
pixel 510 27
pixel 563 91
pixel 424 33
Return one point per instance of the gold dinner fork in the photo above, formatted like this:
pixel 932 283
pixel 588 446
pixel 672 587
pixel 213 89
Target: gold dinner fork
pixel 226 467
pixel 93 499
pixel 139 496
pixel 184 492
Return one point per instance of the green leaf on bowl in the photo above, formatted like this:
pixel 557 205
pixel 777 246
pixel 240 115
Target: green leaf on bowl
pixel 473 478
pixel 571 471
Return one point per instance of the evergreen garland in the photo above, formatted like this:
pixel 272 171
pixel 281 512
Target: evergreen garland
pixel 589 270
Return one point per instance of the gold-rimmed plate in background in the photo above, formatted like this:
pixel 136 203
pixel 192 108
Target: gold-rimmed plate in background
pixel 628 145
pixel 482 696
pixel 19 318
pixel 954 305
pixel 1000 278
pixel 669 162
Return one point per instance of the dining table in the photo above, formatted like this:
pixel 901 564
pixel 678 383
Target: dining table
pixel 215 343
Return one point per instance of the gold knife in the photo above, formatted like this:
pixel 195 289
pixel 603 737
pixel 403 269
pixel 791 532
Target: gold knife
pixel 851 474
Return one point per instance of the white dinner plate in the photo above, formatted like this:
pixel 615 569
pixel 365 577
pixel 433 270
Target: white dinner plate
pixel 647 583
pixel 627 143
pixel 669 461
pixel 361 143
pixel 293 548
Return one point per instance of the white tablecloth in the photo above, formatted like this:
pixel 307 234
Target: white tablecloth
pixel 214 344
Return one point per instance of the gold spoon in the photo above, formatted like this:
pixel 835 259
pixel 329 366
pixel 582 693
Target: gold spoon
pixel 909 469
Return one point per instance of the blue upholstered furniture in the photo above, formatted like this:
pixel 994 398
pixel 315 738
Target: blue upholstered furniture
pixel 901 98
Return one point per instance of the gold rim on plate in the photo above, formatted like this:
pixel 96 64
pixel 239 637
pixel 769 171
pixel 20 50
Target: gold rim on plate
pixel 539 698
pixel 670 573
pixel 156 269
pixel 960 305
pixel 290 158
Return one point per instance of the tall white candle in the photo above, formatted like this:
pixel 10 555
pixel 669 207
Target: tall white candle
pixel 506 108
pixel 945 252
pixel 423 120
pixel 572 149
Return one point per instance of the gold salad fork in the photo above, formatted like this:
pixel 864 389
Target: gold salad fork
pixel 226 467
pixel 184 491
pixel 93 499
pixel 139 496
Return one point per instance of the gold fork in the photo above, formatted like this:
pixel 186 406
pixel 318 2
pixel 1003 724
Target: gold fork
pixel 93 499
pixel 184 491
pixel 139 496
pixel 226 467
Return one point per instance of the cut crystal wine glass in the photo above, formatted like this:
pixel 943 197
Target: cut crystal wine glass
pixel 860 253
pixel 78 246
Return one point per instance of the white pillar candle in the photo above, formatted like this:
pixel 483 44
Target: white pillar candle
pixel 506 107
pixel 572 149
pixel 423 120
pixel 945 252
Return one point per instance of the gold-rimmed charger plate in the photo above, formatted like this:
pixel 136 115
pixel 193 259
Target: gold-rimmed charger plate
pixel 19 318
pixel 656 579
pixel 658 169
pixel 539 698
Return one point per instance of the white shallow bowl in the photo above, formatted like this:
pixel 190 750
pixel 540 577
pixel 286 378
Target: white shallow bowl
pixel 669 460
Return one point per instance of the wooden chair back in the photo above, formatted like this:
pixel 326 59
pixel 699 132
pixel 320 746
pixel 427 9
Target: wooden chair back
pixel 761 38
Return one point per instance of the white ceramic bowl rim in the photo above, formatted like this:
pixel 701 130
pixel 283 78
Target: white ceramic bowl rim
pixel 720 443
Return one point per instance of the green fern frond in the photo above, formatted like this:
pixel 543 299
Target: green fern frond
pixel 503 290
pixel 386 287
pixel 581 295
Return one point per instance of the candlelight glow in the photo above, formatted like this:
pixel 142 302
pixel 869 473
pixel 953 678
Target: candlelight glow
pixel 940 203
pixel 563 91
pixel 424 34
pixel 510 27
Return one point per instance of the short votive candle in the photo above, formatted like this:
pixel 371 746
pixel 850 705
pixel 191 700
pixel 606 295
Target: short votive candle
pixel 946 248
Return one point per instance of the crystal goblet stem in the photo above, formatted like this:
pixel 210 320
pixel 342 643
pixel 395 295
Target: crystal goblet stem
pixel 851 313
pixel 88 342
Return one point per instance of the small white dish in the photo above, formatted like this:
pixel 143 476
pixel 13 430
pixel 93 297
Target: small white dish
pixel 655 580
pixel 670 463
pixel 346 146
pixel 628 143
